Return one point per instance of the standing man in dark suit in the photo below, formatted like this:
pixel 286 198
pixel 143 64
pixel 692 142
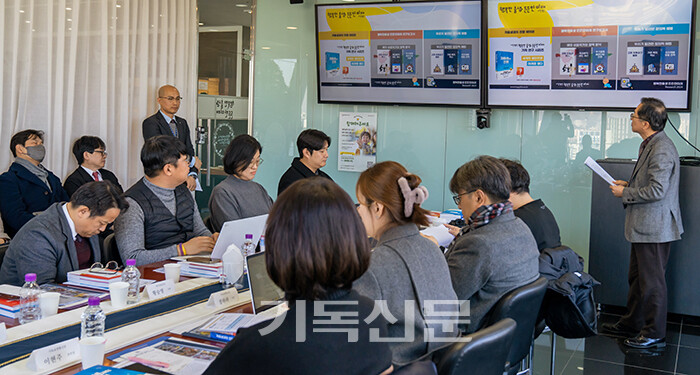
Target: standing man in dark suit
pixel 164 122
pixel 90 153
pixel 64 237
pixel 313 146
pixel 652 222
pixel 27 187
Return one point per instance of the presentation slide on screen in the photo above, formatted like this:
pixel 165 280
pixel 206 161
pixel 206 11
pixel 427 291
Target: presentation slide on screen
pixel 588 53
pixel 417 53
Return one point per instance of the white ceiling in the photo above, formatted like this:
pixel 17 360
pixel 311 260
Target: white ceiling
pixel 225 12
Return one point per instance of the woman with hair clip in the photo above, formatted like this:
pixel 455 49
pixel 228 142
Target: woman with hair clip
pixel 407 271
pixel 316 248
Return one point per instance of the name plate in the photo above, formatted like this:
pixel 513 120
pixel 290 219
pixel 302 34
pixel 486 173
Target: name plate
pixel 222 298
pixel 54 356
pixel 160 289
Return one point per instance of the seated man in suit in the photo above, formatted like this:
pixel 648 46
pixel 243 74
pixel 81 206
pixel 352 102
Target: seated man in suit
pixel 495 252
pixel 313 152
pixel 27 187
pixel 90 153
pixel 64 237
pixel 164 122
pixel 533 212
pixel 164 220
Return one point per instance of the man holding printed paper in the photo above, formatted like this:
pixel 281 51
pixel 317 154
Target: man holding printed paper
pixel 652 222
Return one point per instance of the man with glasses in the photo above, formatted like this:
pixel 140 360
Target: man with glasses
pixel 28 188
pixel 496 252
pixel 90 153
pixel 63 238
pixel 652 222
pixel 164 122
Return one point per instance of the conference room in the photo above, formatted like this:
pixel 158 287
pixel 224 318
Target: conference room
pixel 486 109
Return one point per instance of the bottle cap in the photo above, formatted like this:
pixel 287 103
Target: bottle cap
pixel 30 277
pixel 131 262
pixel 94 301
pixel 248 236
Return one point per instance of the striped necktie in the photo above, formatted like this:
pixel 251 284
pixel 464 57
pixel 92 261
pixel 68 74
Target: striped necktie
pixel 173 126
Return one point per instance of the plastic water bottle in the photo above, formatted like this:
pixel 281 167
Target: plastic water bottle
pixel 248 247
pixel 132 275
pixel 29 309
pixel 93 319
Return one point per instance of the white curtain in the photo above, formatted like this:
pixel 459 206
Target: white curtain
pixel 93 67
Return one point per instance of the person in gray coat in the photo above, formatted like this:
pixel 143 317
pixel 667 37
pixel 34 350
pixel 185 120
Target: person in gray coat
pixel 407 272
pixel 496 252
pixel 64 237
pixel 238 196
pixel 652 222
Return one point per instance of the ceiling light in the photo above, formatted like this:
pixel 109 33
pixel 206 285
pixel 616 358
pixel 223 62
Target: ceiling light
pixel 21 11
pixel 248 11
pixel 119 6
pixel 201 24
pixel 69 8
pixel 241 5
pixel 70 20
pixel 265 47
pixel 291 27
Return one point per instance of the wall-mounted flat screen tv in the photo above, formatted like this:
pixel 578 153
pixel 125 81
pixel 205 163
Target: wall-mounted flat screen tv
pixel 399 53
pixel 604 54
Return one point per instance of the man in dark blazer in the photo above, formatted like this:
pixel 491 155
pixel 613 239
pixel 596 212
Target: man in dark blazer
pixel 90 153
pixel 164 122
pixel 652 222
pixel 313 146
pixel 64 237
pixel 27 187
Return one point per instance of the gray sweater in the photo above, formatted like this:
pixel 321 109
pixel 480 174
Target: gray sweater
pixel 408 267
pixel 234 199
pixel 129 229
pixel 489 261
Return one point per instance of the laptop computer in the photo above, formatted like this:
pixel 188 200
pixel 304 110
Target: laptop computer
pixel 264 293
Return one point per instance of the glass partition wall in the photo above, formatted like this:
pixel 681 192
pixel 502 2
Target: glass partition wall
pixel 224 85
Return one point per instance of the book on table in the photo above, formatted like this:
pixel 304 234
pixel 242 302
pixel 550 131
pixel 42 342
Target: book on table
pixel 92 279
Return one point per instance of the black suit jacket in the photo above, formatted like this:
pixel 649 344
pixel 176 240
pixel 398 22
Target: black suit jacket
pixel 79 177
pixel 156 125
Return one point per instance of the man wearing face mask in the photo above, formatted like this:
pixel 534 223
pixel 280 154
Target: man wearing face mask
pixel 27 187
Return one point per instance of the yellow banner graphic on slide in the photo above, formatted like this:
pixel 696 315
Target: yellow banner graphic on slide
pixel 354 19
pixel 528 14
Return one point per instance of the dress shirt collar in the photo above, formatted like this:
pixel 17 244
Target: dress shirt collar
pixel 90 171
pixel 166 117
pixel 71 224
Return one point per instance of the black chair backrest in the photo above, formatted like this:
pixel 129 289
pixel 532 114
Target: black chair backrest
pixel 110 251
pixel 484 352
pixel 521 304
pixel 3 249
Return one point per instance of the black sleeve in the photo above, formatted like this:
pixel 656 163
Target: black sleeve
pixel 150 128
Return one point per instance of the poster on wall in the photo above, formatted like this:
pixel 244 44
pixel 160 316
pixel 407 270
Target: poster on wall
pixel 357 144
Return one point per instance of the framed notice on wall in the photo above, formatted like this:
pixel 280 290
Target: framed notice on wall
pixel 357 141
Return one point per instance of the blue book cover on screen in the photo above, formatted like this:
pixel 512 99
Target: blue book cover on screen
pixel 504 61
pixel 332 61
pixel 396 57
pixel 409 61
pixel 465 61
pixel 652 60
pixel 451 61
pixel 599 60
pixel 669 60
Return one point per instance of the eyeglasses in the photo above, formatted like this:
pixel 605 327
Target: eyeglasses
pixel 171 98
pixel 256 162
pixel 111 268
pixel 633 116
pixel 458 198
pixel 104 153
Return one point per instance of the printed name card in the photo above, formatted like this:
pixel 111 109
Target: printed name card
pixel 3 333
pixel 222 298
pixel 160 289
pixel 54 356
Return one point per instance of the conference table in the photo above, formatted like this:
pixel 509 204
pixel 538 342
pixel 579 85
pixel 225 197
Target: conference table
pixel 129 333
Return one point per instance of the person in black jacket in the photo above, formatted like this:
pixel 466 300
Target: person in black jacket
pixel 164 122
pixel 316 247
pixel 313 153
pixel 90 152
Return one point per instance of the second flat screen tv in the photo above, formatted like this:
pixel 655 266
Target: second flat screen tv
pixel 400 53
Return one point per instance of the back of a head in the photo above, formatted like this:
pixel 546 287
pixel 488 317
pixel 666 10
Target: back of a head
pixel 20 138
pixel 86 143
pixel 485 173
pixel 379 183
pixel 519 178
pixel 98 197
pixel 160 150
pixel 239 153
pixel 313 140
pixel 654 111
pixel 315 240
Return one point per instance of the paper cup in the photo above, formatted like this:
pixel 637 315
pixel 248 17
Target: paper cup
pixel 92 351
pixel 172 272
pixel 48 302
pixel 117 293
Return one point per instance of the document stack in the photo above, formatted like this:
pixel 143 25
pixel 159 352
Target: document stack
pixel 202 267
pixel 9 305
pixel 94 280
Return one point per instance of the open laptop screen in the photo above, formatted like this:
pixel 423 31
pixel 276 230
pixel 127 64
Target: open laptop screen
pixel 263 291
